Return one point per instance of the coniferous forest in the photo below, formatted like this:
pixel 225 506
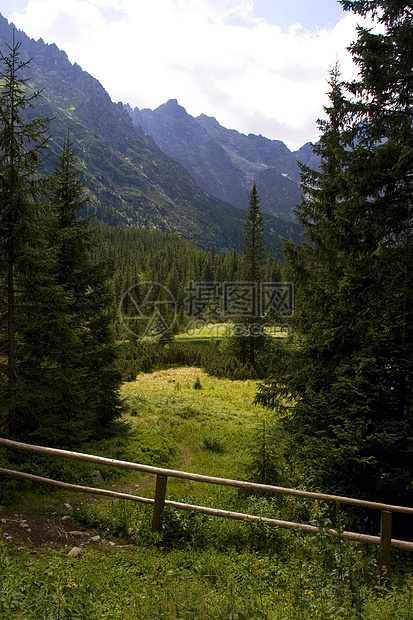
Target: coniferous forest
pixel 325 404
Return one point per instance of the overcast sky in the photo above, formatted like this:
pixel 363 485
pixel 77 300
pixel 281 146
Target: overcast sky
pixel 258 66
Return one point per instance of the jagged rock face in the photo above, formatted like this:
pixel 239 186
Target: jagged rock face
pixel 130 179
pixel 225 162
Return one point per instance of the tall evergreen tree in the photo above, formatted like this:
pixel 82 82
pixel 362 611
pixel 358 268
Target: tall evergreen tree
pixel 27 287
pixel 248 339
pixel 56 307
pixel 89 395
pixel 350 379
pixel 253 245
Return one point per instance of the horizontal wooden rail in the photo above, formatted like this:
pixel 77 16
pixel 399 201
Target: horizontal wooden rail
pixel 8 443
pixel 73 487
pixel 384 540
pixel 309 529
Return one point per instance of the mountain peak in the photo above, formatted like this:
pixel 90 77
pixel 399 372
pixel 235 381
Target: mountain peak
pixel 211 120
pixel 172 107
pixel 225 162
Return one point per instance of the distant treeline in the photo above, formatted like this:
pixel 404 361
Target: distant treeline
pixel 141 255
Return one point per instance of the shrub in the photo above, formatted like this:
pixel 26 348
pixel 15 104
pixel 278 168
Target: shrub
pixel 213 443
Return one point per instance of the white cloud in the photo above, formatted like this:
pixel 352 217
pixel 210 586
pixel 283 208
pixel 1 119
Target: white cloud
pixel 211 55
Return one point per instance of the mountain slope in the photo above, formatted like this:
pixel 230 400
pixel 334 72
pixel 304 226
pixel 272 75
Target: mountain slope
pixel 132 182
pixel 225 162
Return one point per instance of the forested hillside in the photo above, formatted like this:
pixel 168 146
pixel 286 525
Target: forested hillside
pixel 130 179
pixel 138 255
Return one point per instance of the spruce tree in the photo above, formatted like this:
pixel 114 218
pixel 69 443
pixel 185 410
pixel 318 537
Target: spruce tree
pixel 253 245
pixel 27 291
pixel 248 339
pixel 89 395
pixel 57 358
pixel 349 377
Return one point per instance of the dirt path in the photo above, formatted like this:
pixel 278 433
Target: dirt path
pixel 52 531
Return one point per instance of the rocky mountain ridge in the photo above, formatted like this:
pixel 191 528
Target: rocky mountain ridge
pixel 225 162
pixel 130 180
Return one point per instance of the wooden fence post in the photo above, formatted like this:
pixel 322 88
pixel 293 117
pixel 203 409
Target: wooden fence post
pixel 385 547
pixel 160 493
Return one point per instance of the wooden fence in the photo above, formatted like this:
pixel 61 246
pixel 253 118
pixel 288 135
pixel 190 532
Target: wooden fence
pixel 385 540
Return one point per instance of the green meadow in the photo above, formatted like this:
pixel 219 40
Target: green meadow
pixel 198 566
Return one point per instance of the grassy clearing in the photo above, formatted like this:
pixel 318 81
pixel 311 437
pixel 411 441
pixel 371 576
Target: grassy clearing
pixel 211 426
pixel 198 567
